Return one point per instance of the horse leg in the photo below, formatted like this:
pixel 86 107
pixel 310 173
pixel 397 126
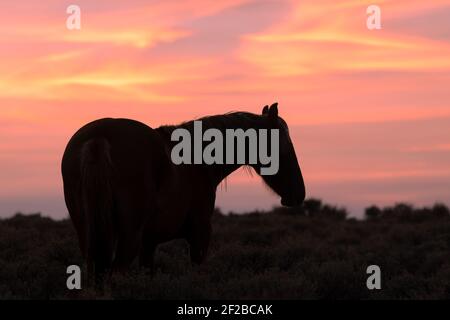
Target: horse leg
pixel 131 219
pixel 199 231
pixel 147 254
pixel 199 241
pixel 127 250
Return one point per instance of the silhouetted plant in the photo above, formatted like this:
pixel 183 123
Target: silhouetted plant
pixel 299 210
pixel 441 210
pixel 372 212
pixel 312 206
pixel 332 212
pixel 403 209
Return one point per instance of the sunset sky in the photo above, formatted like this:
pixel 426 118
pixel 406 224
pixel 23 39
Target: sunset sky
pixel 369 111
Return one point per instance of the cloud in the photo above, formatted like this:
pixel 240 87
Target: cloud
pixel 335 38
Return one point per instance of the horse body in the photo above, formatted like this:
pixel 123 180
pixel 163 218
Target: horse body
pixel 125 196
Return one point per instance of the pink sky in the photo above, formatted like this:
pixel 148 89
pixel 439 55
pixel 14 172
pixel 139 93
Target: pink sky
pixel 369 111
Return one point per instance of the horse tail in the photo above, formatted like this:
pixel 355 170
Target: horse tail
pixel 97 202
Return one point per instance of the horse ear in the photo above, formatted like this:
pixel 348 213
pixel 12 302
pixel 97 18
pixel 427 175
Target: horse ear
pixel 265 110
pixel 273 111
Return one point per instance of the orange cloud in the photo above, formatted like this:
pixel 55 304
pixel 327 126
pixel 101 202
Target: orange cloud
pixel 324 37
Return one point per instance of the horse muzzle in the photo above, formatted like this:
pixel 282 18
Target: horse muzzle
pixel 293 201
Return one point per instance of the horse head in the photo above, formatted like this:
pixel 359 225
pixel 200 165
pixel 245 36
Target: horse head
pixel 288 181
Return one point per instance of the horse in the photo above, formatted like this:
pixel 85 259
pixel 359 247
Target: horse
pixel 125 196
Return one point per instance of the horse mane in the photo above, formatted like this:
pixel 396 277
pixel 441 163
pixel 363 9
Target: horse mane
pixel 233 119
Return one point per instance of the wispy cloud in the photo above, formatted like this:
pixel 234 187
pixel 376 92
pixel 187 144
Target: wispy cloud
pixel 325 37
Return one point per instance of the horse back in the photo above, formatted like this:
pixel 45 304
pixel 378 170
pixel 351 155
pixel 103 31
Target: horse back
pixel 135 148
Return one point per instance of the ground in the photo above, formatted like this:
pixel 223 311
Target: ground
pixel 309 253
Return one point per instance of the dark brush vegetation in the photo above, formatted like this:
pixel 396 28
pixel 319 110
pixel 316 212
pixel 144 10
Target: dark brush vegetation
pixel 313 252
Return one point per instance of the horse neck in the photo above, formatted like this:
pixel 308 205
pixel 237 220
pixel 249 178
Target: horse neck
pixel 218 172
pixel 236 120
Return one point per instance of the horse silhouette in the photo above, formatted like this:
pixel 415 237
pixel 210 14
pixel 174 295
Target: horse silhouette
pixel 125 196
